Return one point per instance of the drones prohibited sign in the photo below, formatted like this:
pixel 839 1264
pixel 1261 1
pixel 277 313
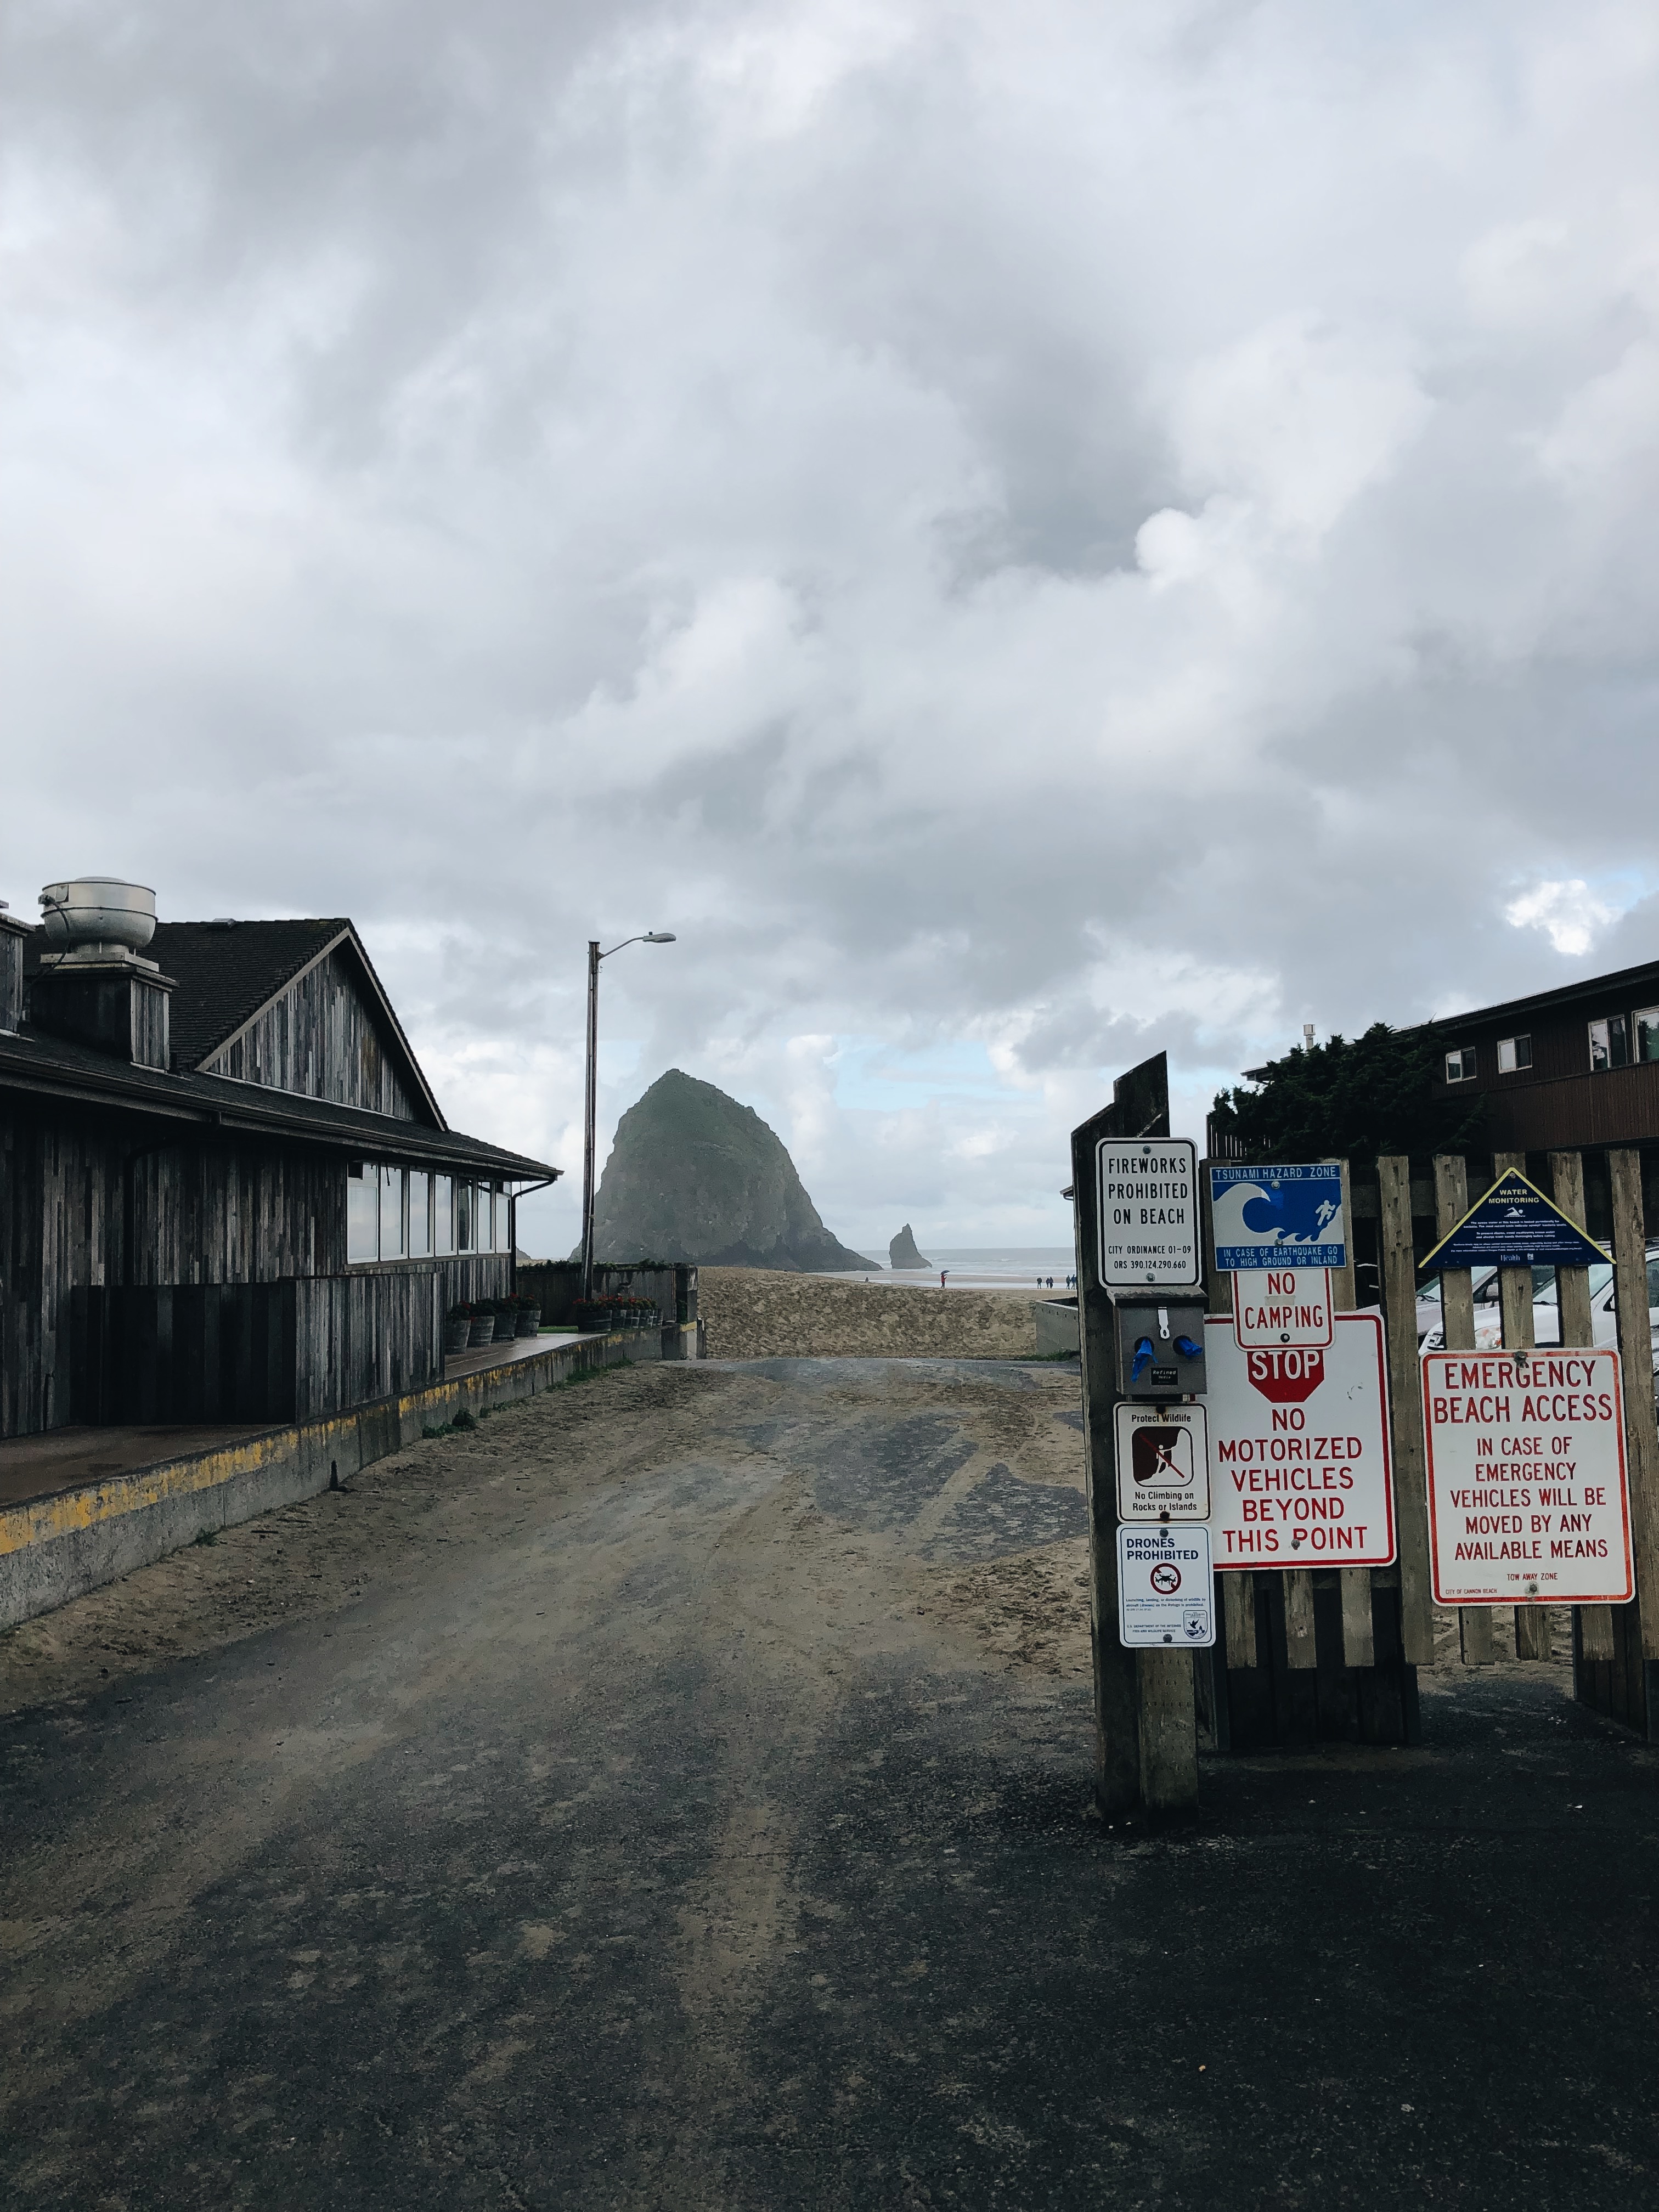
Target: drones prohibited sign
pixel 1165 1589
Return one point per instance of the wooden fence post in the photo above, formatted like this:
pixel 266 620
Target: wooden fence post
pixel 1146 1713
pixel 1531 1622
pixel 1572 1290
pixel 1411 1497
pixel 1451 1203
pixel 1358 1628
pixel 1630 1271
pixel 1236 1590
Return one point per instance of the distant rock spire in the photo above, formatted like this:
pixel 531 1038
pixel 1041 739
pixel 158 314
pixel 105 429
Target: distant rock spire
pixel 902 1252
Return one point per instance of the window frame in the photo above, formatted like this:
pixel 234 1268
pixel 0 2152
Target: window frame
pixel 1614 1042
pixel 1519 1049
pixel 365 1176
pixel 1469 1064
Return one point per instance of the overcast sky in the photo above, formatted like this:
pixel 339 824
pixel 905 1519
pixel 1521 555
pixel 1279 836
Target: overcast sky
pixel 1026 534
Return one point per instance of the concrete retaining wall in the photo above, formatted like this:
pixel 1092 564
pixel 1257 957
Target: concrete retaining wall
pixel 57 1546
pixel 1056 1326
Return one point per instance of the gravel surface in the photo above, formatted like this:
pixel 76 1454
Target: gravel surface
pixel 677 1793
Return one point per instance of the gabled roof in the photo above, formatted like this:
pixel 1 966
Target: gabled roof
pixel 228 972
pixel 52 1067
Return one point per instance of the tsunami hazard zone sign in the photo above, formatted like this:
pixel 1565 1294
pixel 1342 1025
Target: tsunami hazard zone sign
pixel 1301 1471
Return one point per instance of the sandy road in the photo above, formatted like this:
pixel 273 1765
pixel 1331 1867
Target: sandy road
pixel 677 1794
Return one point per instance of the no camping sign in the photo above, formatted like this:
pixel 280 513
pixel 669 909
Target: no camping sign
pixel 1528 1498
pixel 1301 1471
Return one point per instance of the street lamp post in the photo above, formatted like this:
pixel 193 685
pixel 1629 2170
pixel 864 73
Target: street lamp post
pixel 594 957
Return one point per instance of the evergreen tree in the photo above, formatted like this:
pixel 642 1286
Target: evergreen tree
pixel 1354 1100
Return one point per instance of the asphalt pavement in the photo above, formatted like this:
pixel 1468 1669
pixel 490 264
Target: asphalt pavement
pixel 685 1845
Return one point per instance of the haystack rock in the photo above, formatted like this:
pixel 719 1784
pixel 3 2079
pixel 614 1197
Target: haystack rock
pixel 693 1175
pixel 902 1252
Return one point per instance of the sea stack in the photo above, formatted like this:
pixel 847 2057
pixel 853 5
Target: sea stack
pixel 694 1176
pixel 902 1252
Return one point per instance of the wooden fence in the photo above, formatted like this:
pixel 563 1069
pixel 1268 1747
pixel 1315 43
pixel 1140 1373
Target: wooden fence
pixel 1304 1655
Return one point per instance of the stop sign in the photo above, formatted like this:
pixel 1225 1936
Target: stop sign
pixel 1286 1375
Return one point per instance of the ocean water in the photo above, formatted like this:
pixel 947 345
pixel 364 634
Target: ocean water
pixel 985 1267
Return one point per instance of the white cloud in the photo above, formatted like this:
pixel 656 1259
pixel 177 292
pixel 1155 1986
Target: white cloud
pixel 1569 914
pixel 1064 530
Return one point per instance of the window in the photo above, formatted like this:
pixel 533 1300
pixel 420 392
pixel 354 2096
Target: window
pixel 1514 1053
pixel 503 1222
pixel 466 1202
pixel 362 1213
pixel 393 1237
pixel 1609 1043
pixel 420 1213
pixel 1460 1065
pixel 1647 1033
pixel 443 1215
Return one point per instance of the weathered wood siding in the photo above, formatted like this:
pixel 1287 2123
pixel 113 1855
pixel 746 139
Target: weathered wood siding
pixel 59 1194
pixel 321 1039
pixel 82 1209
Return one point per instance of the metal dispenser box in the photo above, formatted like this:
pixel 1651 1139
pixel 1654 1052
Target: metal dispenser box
pixel 1160 1344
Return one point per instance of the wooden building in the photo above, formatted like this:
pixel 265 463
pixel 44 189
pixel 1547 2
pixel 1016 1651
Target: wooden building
pixel 1577 1067
pixel 227 1191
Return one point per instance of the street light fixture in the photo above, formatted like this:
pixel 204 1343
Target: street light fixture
pixel 594 957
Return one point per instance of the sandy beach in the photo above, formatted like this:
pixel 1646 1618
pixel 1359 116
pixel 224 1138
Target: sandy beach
pixel 757 1313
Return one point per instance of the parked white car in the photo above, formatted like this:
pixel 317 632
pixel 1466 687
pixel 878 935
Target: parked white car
pixel 1546 1315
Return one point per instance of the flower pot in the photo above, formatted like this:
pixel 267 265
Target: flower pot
pixel 483 1330
pixel 590 1317
pixel 457 1335
pixel 507 1324
pixel 530 1320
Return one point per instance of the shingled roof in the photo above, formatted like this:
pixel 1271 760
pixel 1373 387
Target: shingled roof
pixel 226 971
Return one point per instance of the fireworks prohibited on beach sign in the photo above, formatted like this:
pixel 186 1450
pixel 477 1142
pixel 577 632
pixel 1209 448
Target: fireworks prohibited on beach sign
pixel 1528 1498
pixel 1300 1470
pixel 1279 1217
pixel 1162 1463
pixel 1164 1592
pixel 1148 1192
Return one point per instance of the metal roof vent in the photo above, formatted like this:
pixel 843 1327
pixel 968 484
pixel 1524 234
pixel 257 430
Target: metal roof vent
pixel 97 918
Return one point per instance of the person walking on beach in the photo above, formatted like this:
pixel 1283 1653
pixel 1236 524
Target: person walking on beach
pixel 942 1273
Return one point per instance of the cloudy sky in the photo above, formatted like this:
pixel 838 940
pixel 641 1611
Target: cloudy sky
pixel 1027 535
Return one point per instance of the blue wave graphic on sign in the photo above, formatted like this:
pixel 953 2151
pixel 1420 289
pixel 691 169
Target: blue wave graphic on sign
pixel 1294 1213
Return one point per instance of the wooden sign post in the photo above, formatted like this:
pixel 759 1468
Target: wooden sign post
pixel 1146 1721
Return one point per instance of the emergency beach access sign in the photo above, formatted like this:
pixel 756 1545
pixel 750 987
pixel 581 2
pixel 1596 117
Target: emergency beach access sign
pixel 1147 1191
pixel 1528 1498
pixel 1301 1473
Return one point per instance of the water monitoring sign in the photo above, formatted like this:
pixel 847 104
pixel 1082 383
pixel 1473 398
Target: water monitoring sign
pixel 1301 1473
pixel 1528 1499
pixel 1164 1592
pixel 1162 1463
pixel 1147 1189
pixel 1514 1226
pixel 1279 1217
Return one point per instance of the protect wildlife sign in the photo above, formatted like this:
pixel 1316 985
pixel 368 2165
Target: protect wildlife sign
pixel 1279 1216
pixel 1147 1189
pixel 1162 1462
pixel 1301 1471
pixel 1514 1226
pixel 1166 1594
pixel 1528 1498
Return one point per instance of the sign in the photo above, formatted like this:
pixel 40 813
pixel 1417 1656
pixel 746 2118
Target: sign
pixel 1300 1468
pixel 1162 1463
pixel 1164 1593
pixel 1515 1226
pixel 1279 1217
pixel 1148 1193
pixel 1528 1498
pixel 1282 1305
